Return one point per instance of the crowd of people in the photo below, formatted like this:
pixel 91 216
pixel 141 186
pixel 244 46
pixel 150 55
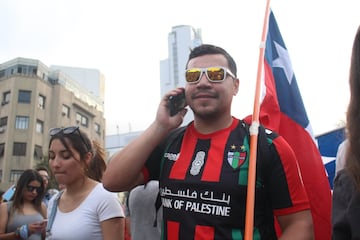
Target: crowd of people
pixel 183 182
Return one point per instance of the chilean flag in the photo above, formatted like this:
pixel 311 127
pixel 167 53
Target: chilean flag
pixel 283 111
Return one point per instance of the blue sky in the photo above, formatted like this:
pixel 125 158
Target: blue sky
pixel 126 40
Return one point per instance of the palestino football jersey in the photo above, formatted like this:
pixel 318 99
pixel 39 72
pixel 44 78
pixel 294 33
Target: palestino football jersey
pixel 203 183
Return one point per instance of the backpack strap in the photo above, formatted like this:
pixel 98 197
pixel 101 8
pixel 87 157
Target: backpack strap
pixel 53 213
pixel 157 207
pixel 262 148
pixel 168 141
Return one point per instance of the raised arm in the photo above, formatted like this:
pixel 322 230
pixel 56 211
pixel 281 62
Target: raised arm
pixel 124 170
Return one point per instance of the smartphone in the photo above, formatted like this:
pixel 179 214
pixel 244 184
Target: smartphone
pixel 42 222
pixel 176 103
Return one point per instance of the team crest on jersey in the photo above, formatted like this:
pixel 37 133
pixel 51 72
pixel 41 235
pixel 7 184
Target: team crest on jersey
pixel 197 163
pixel 236 159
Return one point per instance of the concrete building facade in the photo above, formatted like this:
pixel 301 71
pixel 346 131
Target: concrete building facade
pixel 35 98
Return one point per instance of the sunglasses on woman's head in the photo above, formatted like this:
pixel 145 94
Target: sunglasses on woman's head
pixel 67 131
pixel 213 74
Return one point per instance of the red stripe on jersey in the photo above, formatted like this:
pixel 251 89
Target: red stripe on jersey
pixel 173 230
pixel 204 233
pixel 180 167
pixel 215 157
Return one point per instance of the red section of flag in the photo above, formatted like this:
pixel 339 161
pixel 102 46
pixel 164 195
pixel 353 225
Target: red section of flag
pixel 282 111
pixel 313 174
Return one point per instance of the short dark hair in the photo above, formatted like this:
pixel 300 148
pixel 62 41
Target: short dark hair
pixel 42 168
pixel 206 49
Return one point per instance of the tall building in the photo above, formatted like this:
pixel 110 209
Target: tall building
pixel 33 99
pixel 181 40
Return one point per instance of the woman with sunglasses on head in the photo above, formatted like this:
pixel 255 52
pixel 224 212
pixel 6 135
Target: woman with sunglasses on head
pixel 84 209
pixel 23 217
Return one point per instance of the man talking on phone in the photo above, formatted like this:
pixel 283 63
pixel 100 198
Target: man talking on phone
pixel 202 168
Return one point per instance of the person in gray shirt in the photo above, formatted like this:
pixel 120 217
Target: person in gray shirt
pixel 144 209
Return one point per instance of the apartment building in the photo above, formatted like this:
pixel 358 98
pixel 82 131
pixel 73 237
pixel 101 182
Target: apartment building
pixel 35 98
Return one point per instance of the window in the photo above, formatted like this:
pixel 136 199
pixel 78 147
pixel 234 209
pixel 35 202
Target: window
pixel 41 102
pixel 3 122
pixel 6 98
pixel 24 96
pixel 65 111
pixel 2 149
pixel 15 175
pixel 84 121
pixel 39 126
pixel 38 152
pixel 22 122
pixel 78 118
pixel 19 149
pixel 81 119
pixel 97 128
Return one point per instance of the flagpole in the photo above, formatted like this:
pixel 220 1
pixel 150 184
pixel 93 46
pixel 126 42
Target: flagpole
pixel 250 199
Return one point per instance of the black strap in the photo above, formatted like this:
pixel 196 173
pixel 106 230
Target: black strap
pixel 168 141
pixel 157 207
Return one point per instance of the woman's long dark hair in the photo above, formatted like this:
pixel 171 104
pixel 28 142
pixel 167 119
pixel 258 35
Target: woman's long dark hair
pixel 26 177
pixel 353 114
